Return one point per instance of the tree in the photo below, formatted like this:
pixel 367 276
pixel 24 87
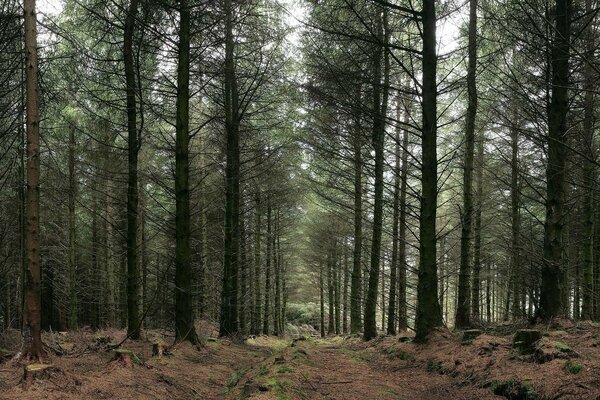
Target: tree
pixel 184 315
pixel 380 99
pixel 428 309
pixel 553 275
pixel 463 309
pixel 32 340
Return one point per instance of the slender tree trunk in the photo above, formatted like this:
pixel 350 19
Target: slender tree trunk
pixel 463 314
pixel 257 267
pixel 133 323
pixel 345 289
pixel 268 272
pixel 337 296
pixel 552 296
pixel 72 238
pixel 356 289
pixel 330 292
pixel 380 98
pixel 243 260
pixel 277 270
pixel 587 311
pixel 229 302
pixel 32 340
pixel 322 299
pixel 428 314
pixel 476 289
pixel 515 221
pixel 402 257
pixel 184 312
pixel 391 326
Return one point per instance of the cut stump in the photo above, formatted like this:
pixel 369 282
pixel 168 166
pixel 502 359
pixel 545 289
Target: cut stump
pixel 159 349
pixel 525 340
pixel 32 372
pixel 123 358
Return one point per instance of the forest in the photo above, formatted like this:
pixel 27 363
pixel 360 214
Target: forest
pixel 299 199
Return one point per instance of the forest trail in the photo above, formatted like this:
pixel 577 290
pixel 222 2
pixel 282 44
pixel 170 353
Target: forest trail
pixel 564 366
pixel 341 369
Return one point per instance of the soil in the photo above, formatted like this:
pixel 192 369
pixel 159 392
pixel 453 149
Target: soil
pixel 565 365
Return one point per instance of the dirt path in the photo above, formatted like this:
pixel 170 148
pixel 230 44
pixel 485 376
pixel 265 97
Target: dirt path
pixel 331 369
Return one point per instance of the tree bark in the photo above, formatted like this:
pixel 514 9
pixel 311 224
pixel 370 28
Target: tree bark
pixel 394 268
pixel 229 302
pixel 184 312
pixel 32 340
pixel 552 296
pixel 356 289
pixel 72 243
pixel 256 312
pixel 380 98
pixel 268 273
pixel 463 310
pixel 476 288
pixel 132 178
pixel 428 314
pixel 587 311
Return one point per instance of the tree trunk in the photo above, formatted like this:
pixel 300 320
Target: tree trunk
pixel 463 314
pixel 587 311
pixel 256 311
pixel 428 314
pixel 277 269
pixel 32 340
pixel 476 289
pixel 267 273
pixel 330 292
pixel 72 243
pixel 322 299
pixel 229 302
pixel 402 257
pixel 515 221
pixel 391 326
pixel 184 312
pixel 551 296
pixel 133 323
pixel 345 290
pixel 380 98
pixel 356 289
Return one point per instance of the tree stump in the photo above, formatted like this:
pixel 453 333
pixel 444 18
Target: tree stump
pixel 470 334
pixel 159 349
pixel 525 340
pixel 123 358
pixel 35 371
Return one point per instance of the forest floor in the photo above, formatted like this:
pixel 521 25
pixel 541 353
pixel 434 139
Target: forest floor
pixel 566 365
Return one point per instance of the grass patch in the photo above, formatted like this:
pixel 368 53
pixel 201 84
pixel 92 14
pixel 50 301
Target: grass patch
pixel 234 379
pixel 434 365
pixel 573 367
pixel 285 369
pixel 514 390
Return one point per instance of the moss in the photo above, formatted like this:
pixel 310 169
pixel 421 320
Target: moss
pixel 262 371
pixel 562 347
pixel 573 367
pixel 234 379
